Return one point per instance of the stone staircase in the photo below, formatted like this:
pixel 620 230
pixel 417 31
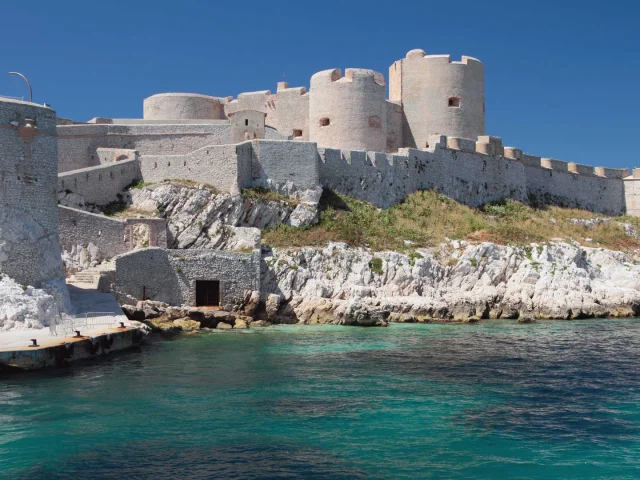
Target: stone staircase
pixel 90 277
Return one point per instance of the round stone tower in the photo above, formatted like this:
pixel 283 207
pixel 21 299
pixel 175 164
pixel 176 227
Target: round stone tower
pixel 348 112
pixel 438 96
pixel 183 106
pixel 30 252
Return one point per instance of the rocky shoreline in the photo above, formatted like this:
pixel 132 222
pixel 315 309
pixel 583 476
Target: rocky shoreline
pixel 459 282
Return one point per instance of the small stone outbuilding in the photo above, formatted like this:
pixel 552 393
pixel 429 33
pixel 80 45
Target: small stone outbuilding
pixel 204 278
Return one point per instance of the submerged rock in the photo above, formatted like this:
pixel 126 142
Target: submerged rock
pixel 240 324
pixel 187 325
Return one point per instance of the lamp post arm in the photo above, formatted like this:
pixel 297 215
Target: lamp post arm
pixel 28 84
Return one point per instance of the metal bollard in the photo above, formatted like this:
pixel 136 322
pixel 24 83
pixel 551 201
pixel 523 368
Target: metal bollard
pixel 34 343
pixel 77 335
pixel 122 325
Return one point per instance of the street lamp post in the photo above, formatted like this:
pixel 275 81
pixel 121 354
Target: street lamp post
pixel 28 84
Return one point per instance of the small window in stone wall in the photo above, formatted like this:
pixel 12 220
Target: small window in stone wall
pixel 297 133
pixel 324 122
pixel 454 102
pixel 246 122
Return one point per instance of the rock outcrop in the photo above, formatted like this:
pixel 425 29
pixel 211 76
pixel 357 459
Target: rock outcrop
pixel 458 282
pixel 200 217
pixel 23 307
pixel 169 320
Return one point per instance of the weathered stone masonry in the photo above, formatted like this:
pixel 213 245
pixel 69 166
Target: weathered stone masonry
pixel 459 168
pixel 169 275
pixel 110 236
pixel 29 248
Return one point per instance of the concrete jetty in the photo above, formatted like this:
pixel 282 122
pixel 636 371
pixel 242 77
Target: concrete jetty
pixel 17 351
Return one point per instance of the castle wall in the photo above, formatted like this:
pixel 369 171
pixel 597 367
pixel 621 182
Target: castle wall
pixel 557 186
pixel 452 166
pixel 111 236
pixel 394 127
pixel 169 275
pixel 100 184
pixel 112 155
pixel 78 227
pixel 348 112
pixel 183 106
pixel 438 96
pixel 78 144
pixel 257 101
pixel 283 165
pixel 246 125
pixel 287 110
pixel 29 248
pixel 225 167
pixel 632 193
pixel 385 180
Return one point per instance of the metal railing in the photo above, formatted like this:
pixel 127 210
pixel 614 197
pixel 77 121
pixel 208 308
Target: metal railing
pixel 85 322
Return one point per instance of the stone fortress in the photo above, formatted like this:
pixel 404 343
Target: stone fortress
pixel 343 134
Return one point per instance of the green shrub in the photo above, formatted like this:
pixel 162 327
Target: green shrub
pixel 376 265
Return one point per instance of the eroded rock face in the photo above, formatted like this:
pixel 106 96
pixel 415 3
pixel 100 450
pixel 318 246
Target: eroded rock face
pixel 28 251
pixel 198 217
pixel 465 282
pixel 24 307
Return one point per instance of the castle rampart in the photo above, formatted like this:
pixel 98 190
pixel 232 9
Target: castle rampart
pixel 348 112
pixel 225 167
pixel 99 185
pixel 110 236
pixel 285 166
pixel 78 144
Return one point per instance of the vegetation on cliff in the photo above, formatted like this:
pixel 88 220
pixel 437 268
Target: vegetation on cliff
pixel 426 219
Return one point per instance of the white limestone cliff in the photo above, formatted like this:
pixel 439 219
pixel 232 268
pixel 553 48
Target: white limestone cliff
pixel 460 281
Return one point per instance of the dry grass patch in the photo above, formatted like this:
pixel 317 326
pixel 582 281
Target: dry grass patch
pixel 427 218
pixel 266 195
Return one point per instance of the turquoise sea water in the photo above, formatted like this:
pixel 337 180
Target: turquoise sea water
pixel 491 400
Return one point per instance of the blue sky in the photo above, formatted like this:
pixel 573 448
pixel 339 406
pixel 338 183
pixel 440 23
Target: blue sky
pixel 561 76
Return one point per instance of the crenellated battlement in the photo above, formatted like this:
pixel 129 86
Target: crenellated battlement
pixel 283 88
pixel 431 61
pixel 439 95
pixel 349 111
pixel 492 146
pixel 351 75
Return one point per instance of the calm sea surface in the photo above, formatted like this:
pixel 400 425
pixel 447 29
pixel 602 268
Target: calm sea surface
pixel 492 400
